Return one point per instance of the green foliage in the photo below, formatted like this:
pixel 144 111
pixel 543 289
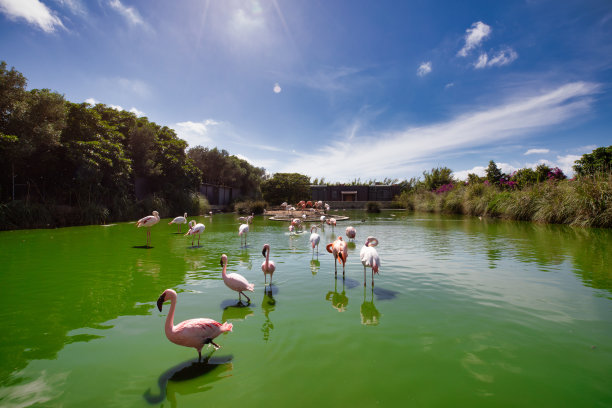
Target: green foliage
pixel 373 207
pixel 289 187
pixel 493 173
pixel 437 177
pixel 250 207
pixel 525 177
pixel 598 161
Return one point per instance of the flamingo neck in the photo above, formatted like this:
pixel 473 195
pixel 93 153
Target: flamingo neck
pixel 169 327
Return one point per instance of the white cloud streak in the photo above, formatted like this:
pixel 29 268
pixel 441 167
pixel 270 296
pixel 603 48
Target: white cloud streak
pixel 537 151
pixel 195 133
pixel 396 153
pixel 503 57
pixel 129 13
pixel 33 11
pixel 474 37
pixel 424 69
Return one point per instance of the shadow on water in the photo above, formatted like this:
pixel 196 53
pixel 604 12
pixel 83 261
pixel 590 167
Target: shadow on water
pixel 211 367
pixel 142 247
pixel 235 310
pixel 384 294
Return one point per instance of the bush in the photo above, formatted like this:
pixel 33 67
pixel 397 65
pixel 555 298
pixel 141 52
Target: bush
pixel 250 207
pixel 373 207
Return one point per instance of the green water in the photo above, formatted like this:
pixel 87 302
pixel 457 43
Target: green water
pixel 464 313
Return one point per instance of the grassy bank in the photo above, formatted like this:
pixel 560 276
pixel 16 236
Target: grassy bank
pixel 585 202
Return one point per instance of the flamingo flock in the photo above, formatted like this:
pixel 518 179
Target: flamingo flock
pixel 200 332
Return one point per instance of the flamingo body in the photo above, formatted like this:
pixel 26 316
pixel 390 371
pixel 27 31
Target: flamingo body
pixel 268 267
pixel 148 222
pixel 195 229
pixel 235 281
pixel 243 229
pixel 314 239
pixel 369 257
pixel 339 250
pixel 179 220
pixel 190 333
pixel 351 232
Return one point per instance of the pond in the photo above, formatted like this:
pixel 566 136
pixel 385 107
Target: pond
pixel 464 312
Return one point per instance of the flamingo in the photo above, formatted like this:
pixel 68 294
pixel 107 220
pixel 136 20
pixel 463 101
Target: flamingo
pixel 235 281
pixel 351 232
pixel 291 229
pixel 332 222
pixel 148 221
pixel 179 220
pixel 243 229
pixel 267 266
pixel 314 238
pixel 322 220
pixel 191 333
pixel 369 258
pixel 340 252
pixel 195 229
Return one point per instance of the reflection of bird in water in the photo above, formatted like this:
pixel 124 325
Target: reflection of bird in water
pixel 314 266
pixel 340 252
pixel 267 266
pixel 268 305
pixel 190 333
pixel 370 316
pixel 178 221
pixel 369 257
pixel 235 281
pixel 195 229
pixel 211 368
pixel 338 300
pixel 148 222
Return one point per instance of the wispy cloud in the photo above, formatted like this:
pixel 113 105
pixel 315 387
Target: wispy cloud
pixel 503 57
pixel 75 6
pixel 424 69
pixel 196 133
pixel 135 111
pixel 536 151
pixel 32 11
pixel 387 154
pixel 129 13
pixel 474 37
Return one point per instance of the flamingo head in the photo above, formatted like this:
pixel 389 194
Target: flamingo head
pixel 168 294
pixel 223 260
pixel 155 213
pixel 266 247
pixel 371 241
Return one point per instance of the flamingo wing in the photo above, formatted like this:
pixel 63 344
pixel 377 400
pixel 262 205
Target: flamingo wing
pixel 238 282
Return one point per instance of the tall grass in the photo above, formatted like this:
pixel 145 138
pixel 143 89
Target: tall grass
pixel 585 202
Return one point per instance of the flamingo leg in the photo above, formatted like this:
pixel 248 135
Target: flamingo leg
pixel 364 276
pixel 372 278
pixel 198 239
pixel 248 299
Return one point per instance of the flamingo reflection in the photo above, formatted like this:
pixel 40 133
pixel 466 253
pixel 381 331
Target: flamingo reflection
pixel 370 316
pixel 268 304
pixel 339 301
pixel 315 265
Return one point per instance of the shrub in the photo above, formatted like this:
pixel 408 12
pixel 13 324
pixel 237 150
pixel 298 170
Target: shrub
pixel 373 207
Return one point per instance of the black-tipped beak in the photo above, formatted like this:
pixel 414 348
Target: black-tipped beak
pixel 161 301
pixel 263 252
pixel 221 262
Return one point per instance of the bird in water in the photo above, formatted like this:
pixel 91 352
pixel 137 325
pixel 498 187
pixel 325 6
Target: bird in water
pixel 190 333
pixel 314 239
pixel 179 220
pixel 340 252
pixel 195 229
pixel 268 267
pixel 148 222
pixel 351 232
pixel 235 281
pixel 243 229
pixel 369 258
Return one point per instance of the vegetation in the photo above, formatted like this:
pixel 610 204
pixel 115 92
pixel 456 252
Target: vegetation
pixel 541 195
pixel 286 187
pixel 249 207
pixel 373 207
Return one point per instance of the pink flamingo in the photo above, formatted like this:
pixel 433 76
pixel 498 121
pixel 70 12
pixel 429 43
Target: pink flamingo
pixel 195 229
pixel 243 229
pixel 268 267
pixel 179 221
pixel 369 257
pixel 191 333
pixel 351 232
pixel 148 222
pixel 291 229
pixel 340 252
pixel 235 281
pixel 314 239
pixel 332 222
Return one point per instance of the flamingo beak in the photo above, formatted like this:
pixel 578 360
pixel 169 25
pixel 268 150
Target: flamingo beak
pixel 263 252
pixel 161 301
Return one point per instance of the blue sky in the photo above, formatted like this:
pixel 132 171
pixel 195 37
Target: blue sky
pixel 333 88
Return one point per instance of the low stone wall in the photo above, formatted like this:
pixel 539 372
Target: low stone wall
pixel 356 205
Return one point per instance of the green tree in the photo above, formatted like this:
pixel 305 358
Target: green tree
pixel 598 161
pixel 493 173
pixel 437 177
pixel 289 187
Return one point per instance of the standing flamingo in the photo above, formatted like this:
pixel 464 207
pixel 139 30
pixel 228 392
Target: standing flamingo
pixel 332 222
pixel 195 229
pixel 340 252
pixel 314 239
pixel 243 229
pixel 148 222
pixel 191 333
pixel 351 232
pixel 267 266
pixel 179 220
pixel 369 258
pixel 235 281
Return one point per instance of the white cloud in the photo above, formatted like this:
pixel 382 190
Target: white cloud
pixel 195 133
pixel 129 13
pixel 33 11
pixel 75 6
pixel 566 163
pixel 116 107
pixel 503 57
pixel 424 69
pixel 277 88
pixel 449 85
pixel 474 37
pixel 91 101
pixel 137 112
pixel 463 174
pixel 536 151
pixel 394 153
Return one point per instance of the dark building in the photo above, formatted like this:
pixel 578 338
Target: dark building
pixel 354 193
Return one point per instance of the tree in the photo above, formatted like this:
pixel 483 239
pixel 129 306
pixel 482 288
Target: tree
pixel 289 187
pixel 493 173
pixel 598 161
pixel 438 177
